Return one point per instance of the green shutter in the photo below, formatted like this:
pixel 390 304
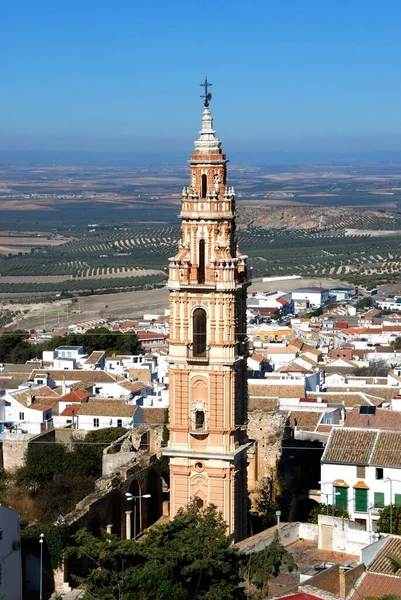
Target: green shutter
pixel 361 500
pixel 342 499
pixel 397 499
pixel 379 500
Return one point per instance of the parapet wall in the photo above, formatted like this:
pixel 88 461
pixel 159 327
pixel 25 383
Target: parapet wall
pixel 289 533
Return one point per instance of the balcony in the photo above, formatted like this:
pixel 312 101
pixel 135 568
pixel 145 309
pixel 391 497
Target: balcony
pixel 198 426
pixel 198 353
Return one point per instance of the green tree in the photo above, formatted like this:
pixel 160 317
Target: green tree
pixel 41 463
pixel 14 347
pixel 99 338
pixel 86 456
pixel 268 563
pixel 365 302
pixel 191 556
pixel 265 501
pixel 383 522
pixel 326 509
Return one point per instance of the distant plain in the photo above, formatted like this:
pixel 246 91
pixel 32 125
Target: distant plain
pixel 89 229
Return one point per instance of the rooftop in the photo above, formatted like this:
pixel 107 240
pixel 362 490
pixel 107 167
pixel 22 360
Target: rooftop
pixel 107 408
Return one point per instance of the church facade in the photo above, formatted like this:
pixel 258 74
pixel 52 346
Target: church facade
pixel 208 281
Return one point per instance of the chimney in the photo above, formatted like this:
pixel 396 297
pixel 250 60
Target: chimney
pixel 29 399
pixel 342 588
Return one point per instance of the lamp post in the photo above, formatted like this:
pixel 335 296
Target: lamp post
pixel 278 515
pixel 130 497
pixel 327 495
pixel 41 538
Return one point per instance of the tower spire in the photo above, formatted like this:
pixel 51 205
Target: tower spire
pixel 207 95
pixel 208 280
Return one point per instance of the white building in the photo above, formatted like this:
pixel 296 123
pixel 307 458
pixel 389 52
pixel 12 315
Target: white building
pixel 98 414
pixel 361 471
pixel 25 415
pixel 341 293
pixel 10 555
pixel 310 297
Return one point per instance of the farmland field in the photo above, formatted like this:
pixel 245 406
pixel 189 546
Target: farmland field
pixel 82 230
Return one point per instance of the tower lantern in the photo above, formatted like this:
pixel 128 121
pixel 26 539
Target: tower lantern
pixel 208 280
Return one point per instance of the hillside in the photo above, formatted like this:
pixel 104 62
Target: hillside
pixel 318 218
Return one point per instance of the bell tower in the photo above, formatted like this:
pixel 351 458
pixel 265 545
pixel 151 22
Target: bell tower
pixel 208 281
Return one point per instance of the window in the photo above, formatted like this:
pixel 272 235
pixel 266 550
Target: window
pixel 361 472
pixel 342 498
pixel 199 419
pixel 397 499
pixel 379 473
pixel 201 262
pixel 39 381
pixel 98 390
pixel 199 332
pixel 378 500
pixel 21 416
pixel 119 422
pixel 199 502
pixel 204 186
pixel 95 422
pixel 68 421
pixel 361 500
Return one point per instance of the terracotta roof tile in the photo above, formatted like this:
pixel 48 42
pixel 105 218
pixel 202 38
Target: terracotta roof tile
pixel 77 375
pixel 154 416
pixel 75 396
pixel 349 446
pixel 306 420
pixel 381 564
pixel 40 407
pixel 385 393
pixel 70 411
pixel 372 585
pixel 387 452
pixel 95 357
pixel 134 386
pixel 348 399
pixel 107 408
pixel 276 390
pixel 382 419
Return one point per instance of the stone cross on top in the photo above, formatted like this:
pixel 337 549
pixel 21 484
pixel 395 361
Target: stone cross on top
pixel 207 95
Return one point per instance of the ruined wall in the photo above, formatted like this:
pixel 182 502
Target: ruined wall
pixel 268 429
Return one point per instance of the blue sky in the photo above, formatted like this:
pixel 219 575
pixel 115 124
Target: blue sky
pixel 288 75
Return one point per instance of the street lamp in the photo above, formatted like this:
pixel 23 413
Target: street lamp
pixel 130 497
pixel 278 515
pixel 41 538
pixel 327 495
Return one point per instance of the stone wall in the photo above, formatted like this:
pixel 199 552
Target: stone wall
pixel 268 429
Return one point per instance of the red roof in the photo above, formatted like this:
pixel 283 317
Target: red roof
pixel 39 407
pixel 70 411
pixel 145 335
pixel 75 396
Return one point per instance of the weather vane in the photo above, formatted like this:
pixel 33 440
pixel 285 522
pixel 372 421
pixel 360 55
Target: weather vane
pixel 207 96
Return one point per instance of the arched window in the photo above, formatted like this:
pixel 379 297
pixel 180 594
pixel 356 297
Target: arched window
pixel 199 419
pixel 201 267
pixel 199 332
pixel 204 186
pixel 199 502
